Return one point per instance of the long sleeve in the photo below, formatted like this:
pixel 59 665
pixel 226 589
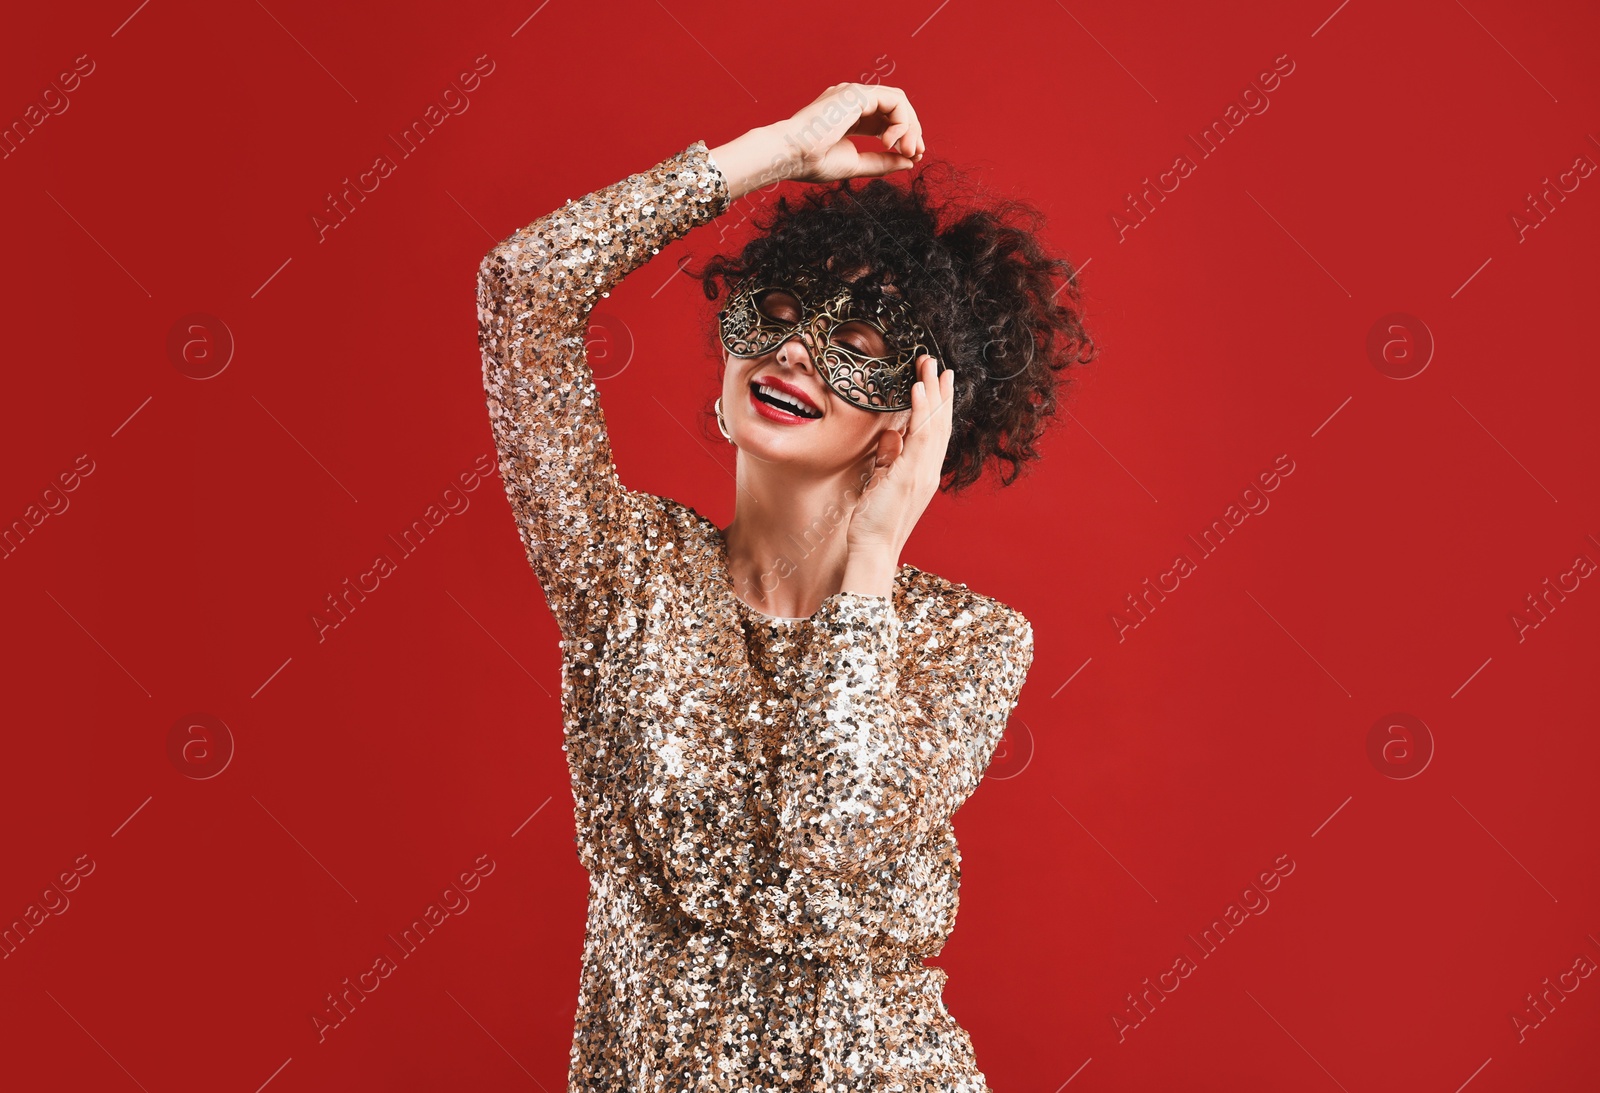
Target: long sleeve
pixel 535 292
pixel 878 760
pixel 888 739
pixel 881 759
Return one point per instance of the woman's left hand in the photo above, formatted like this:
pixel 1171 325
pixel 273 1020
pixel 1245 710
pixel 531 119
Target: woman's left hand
pixel 905 470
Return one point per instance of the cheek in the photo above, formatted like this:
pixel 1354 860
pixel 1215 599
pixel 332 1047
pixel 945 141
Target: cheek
pixel 857 429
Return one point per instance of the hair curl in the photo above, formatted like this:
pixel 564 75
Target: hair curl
pixel 977 277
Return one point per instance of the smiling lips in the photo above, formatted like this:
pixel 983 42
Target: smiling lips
pixel 779 401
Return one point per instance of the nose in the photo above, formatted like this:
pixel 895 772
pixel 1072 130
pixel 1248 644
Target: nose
pixel 800 348
pixel 794 352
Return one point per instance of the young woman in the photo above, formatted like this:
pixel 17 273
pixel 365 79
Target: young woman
pixel 770 725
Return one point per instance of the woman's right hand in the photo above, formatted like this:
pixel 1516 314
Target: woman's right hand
pixel 814 144
pixel 818 134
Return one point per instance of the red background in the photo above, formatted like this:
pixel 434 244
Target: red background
pixel 1131 805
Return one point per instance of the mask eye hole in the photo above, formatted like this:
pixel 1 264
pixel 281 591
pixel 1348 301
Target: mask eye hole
pixel 778 305
pixel 863 338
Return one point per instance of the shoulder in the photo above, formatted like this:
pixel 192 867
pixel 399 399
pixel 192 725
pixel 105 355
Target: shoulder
pixel 681 524
pixel 681 539
pixel 960 634
pixel 954 611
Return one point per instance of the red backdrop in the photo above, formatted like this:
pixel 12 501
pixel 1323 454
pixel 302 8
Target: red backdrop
pixel 1317 815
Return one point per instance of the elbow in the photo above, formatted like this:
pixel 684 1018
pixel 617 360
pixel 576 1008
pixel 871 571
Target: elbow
pixel 502 252
pixel 523 289
pixel 523 256
pixel 508 268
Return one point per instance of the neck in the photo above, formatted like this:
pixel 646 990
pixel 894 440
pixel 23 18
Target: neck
pixel 786 544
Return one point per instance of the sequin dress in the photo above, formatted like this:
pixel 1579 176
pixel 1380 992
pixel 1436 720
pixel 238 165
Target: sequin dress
pixel 763 805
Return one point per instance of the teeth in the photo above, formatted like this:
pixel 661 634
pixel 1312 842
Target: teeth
pixel 798 408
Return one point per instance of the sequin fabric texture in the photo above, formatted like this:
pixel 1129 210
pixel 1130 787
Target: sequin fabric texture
pixel 763 805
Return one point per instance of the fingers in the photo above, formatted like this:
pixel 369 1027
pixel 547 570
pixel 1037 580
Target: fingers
pixel 932 401
pixel 919 400
pixel 927 437
pixel 822 130
pixel 881 163
pixel 887 112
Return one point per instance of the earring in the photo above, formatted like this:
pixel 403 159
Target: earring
pixel 722 425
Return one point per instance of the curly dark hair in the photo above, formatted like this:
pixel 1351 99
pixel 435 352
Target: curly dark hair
pixel 976 275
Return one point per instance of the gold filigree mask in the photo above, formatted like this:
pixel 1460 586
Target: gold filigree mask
pixel 864 341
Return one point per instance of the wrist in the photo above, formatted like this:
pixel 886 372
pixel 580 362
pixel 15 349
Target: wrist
pixel 753 160
pixel 870 571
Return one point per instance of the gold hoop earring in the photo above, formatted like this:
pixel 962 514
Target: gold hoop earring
pixel 722 425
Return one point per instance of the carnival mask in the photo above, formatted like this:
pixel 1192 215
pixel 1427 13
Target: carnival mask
pixel 864 342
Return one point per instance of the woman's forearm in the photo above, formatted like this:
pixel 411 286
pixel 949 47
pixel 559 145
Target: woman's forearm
pixel 759 158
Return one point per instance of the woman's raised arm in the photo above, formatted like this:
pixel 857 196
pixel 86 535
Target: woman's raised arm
pixel 535 292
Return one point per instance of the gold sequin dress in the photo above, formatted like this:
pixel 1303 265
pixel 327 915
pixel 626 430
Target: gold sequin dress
pixel 763 805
